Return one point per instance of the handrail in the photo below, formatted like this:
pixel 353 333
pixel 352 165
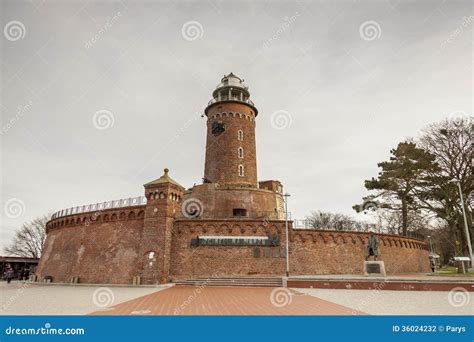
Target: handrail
pixel 233 98
pixel 121 203
pixel 305 224
pixel 203 214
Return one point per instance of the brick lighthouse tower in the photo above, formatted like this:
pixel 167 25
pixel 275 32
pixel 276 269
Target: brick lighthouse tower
pixel 230 146
pixel 230 186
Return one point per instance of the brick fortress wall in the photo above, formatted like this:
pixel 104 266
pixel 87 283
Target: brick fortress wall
pixel 336 252
pixel 311 251
pixel 98 247
pixel 107 248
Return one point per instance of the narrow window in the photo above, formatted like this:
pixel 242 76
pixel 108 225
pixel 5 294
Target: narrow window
pixel 240 212
pixel 240 135
pixel 241 152
pixel 241 170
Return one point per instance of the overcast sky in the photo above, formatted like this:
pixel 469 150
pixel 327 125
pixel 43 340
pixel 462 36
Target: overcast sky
pixel 97 97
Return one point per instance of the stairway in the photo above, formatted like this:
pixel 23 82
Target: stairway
pixel 234 281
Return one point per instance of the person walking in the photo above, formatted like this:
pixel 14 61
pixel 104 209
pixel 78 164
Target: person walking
pixel 9 275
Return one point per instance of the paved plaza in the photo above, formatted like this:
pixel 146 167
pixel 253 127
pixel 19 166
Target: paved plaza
pixel 187 300
pixel 26 299
pixel 20 298
pixel 399 302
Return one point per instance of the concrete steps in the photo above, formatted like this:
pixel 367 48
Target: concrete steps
pixel 234 281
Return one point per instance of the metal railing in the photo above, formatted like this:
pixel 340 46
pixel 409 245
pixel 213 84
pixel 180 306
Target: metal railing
pixel 121 203
pixel 362 227
pixel 232 98
pixel 203 214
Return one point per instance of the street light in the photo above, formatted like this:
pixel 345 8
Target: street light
pixel 431 246
pixel 468 237
pixel 286 195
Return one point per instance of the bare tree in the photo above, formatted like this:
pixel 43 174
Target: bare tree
pixel 392 221
pixel 29 239
pixel 450 141
pixel 334 221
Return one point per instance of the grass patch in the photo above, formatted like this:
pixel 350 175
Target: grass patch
pixel 451 271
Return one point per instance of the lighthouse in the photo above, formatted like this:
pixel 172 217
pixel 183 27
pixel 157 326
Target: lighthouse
pixel 230 144
pixel 230 187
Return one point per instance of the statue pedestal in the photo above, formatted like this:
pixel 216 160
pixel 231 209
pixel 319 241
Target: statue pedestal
pixel 374 268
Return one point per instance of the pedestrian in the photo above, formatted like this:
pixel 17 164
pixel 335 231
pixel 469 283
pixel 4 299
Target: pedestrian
pixel 9 275
pixel 433 265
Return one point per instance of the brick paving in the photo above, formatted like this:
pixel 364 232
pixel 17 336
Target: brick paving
pixel 189 300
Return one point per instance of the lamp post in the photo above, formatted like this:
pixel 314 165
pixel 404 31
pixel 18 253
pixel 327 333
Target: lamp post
pixel 286 195
pixel 468 237
pixel 431 246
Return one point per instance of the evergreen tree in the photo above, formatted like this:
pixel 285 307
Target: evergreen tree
pixel 394 187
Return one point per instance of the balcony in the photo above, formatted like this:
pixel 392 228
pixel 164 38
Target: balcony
pixel 231 98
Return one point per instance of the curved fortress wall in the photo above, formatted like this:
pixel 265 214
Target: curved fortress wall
pixel 335 252
pixel 108 249
pixel 96 247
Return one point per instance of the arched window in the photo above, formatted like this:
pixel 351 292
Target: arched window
pixel 241 152
pixel 241 170
pixel 240 135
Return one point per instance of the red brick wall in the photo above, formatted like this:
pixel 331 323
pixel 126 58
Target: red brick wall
pixel 218 261
pixel 311 252
pixel 99 247
pixel 107 248
pixel 222 161
pixel 219 202
pixel 333 252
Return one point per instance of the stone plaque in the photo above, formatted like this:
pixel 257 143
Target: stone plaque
pixel 373 268
pixel 266 252
pixel 282 253
pixel 276 253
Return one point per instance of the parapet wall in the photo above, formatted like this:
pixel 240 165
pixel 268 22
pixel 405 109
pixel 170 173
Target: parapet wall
pixel 105 247
pixel 311 251
pixel 220 261
pixel 337 252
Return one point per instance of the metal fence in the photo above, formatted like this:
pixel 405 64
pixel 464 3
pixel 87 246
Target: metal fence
pixel 232 98
pixel 125 202
pixel 202 213
pixel 362 227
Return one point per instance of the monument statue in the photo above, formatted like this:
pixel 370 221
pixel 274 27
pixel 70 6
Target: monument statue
pixel 372 247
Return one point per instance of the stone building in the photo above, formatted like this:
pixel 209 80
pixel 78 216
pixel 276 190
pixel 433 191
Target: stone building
pixel 230 225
